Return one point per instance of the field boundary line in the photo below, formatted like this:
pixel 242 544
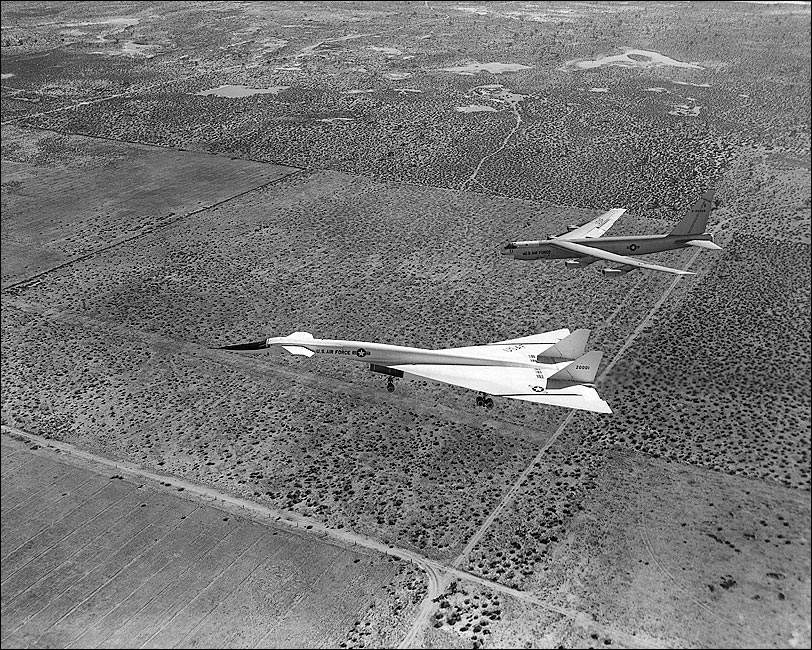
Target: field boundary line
pixel 263 514
pixel 157 145
pixel 21 284
pixel 483 529
pixel 437 571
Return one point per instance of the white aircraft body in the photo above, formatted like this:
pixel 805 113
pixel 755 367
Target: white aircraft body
pixel 586 245
pixel 550 368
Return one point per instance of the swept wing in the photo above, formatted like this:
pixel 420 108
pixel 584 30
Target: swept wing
pixel 595 228
pixel 545 338
pixel 549 368
pixel 580 397
pixel 560 344
pixel 614 257
pixel 526 384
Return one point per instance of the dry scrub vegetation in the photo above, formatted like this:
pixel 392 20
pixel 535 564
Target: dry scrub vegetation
pixel 200 579
pixel 367 93
pixel 386 237
pixel 399 472
pixel 721 379
pixel 351 258
pixel 106 194
pixel 617 533
pixel 319 437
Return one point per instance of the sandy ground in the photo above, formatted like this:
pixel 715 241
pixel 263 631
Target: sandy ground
pixel 144 223
pixel 92 557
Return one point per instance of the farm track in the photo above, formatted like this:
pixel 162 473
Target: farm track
pixel 267 515
pixel 100 100
pixel 438 573
pixel 477 536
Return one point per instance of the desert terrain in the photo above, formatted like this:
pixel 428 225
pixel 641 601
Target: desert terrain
pixel 177 177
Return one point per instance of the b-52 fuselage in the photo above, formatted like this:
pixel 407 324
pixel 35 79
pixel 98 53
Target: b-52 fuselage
pixel 583 245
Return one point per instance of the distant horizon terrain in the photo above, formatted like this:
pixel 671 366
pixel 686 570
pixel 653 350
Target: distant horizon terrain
pixel 179 177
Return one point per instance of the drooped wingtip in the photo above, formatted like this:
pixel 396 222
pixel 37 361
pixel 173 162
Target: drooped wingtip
pixel 254 345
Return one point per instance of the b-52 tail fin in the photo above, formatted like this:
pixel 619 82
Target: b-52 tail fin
pixel 696 219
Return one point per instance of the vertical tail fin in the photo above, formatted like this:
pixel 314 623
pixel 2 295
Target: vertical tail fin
pixel 696 219
pixel 582 371
pixel 570 347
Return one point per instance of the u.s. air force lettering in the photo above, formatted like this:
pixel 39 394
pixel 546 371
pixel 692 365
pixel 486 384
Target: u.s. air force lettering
pixel 360 352
pixel 551 368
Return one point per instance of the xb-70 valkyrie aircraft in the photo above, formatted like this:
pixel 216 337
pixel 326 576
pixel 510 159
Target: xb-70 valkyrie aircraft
pixel 583 243
pixel 550 368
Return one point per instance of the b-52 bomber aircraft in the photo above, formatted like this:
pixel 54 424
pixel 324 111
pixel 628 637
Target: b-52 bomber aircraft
pixel 583 243
pixel 550 368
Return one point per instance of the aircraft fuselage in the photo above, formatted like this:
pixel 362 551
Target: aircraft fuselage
pixel 639 245
pixel 391 355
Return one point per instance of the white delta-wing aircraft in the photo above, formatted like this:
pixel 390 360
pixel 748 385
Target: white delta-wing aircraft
pixel 550 368
pixel 585 245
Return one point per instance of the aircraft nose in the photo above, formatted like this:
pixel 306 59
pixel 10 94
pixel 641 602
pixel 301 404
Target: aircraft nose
pixel 508 248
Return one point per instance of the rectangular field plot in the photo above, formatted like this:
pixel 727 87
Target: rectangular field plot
pixel 354 258
pixel 68 196
pixel 93 560
pixel 695 556
pixel 338 448
pixel 675 554
pixel 339 256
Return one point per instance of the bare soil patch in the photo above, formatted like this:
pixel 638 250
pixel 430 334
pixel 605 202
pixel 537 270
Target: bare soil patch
pixel 65 197
pixel 97 559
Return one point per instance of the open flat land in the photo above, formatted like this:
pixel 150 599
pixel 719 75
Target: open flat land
pixel 107 194
pixel 364 193
pixel 108 561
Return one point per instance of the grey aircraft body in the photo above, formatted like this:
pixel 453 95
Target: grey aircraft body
pixel 583 245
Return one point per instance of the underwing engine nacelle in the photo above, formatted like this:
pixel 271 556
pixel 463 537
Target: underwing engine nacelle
pixel 573 264
pixel 617 272
pixel 580 242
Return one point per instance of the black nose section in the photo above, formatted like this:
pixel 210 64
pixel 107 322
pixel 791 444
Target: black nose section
pixel 255 345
